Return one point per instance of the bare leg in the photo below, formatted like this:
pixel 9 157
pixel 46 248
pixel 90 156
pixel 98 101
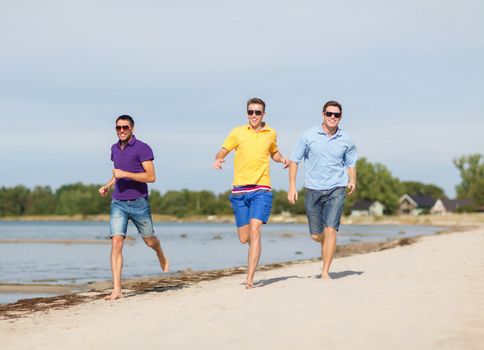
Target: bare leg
pixel 154 243
pixel 328 250
pixel 320 239
pixel 243 233
pixel 117 243
pixel 254 250
pixel 251 234
pixel 244 236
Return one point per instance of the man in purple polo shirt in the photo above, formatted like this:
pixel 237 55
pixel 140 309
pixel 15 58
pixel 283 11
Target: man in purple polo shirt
pixel 133 169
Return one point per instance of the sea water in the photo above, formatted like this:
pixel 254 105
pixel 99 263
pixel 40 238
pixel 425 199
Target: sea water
pixel 195 246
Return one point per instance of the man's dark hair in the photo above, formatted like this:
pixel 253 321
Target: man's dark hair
pixel 334 104
pixel 126 117
pixel 258 101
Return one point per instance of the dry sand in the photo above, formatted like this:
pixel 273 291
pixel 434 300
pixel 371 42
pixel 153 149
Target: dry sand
pixel 428 295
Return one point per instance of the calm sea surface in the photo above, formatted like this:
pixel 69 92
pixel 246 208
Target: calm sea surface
pixel 196 246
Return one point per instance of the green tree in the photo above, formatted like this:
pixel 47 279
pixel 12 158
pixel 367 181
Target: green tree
pixel 471 168
pixel 14 201
pixel 224 207
pixel 414 188
pixel 155 201
pixel 80 199
pixel 186 203
pixel 41 201
pixel 175 203
pixel 279 202
pixel 375 182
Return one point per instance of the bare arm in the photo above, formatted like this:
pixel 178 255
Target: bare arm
pixel 278 157
pixel 292 194
pixel 147 176
pixel 219 158
pixel 103 190
pixel 352 180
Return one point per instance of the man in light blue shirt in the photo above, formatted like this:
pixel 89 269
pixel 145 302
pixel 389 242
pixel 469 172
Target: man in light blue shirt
pixel 330 167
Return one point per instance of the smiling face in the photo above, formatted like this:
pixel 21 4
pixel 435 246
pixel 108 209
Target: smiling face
pixel 124 130
pixel 332 116
pixel 255 114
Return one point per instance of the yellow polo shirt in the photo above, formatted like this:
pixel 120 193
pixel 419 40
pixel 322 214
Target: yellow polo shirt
pixel 252 152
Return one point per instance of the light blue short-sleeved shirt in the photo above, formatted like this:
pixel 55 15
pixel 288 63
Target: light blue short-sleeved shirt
pixel 326 158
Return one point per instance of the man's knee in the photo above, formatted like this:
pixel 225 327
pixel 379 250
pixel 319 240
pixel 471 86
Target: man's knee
pixel 243 233
pixel 317 238
pixel 244 236
pixel 254 233
pixel 255 227
pixel 151 242
pixel 330 231
pixel 117 242
pixel 243 239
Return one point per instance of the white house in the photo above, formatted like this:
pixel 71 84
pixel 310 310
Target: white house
pixel 367 208
pixel 443 206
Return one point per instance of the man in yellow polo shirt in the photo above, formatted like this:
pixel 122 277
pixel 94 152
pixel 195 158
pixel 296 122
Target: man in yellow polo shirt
pixel 251 194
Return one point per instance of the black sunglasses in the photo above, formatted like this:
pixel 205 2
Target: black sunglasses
pixel 330 114
pixel 123 127
pixel 251 112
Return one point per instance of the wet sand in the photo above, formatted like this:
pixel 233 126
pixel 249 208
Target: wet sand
pixel 424 295
pixel 98 290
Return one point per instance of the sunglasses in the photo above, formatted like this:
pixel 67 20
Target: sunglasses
pixel 122 127
pixel 330 114
pixel 251 112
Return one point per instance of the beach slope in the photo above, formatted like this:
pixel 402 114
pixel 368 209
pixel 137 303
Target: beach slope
pixel 428 295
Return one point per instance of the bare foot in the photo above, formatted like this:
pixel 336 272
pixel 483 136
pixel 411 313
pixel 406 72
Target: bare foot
pixel 325 276
pixel 249 285
pixel 164 263
pixel 114 295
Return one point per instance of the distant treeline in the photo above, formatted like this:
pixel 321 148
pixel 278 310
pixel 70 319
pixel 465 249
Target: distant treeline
pixel 375 182
pixel 84 199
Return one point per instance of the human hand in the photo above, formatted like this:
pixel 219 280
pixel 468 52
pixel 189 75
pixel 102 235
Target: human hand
pixel 292 196
pixel 351 188
pixel 218 163
pixel 286 162
pixel 118 173
pixel 103 190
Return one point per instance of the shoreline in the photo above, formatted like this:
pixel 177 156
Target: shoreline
pixel 410 294
pixel 60 291
pixel 458 219
pixel 77 294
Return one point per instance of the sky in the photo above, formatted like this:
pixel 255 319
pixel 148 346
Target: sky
pixel 409 74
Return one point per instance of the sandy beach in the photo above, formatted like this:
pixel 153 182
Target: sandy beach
pixel 425 295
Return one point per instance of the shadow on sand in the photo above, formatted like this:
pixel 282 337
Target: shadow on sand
pixel 343 274
pixel 263 283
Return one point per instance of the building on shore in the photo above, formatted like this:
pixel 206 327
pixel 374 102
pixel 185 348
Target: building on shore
pixel 443 206
pixel 415 205
pixel 367 208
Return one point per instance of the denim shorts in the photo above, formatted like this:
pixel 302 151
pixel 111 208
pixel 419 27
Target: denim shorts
pixel 251 205
pixel 324 208
pixel 137 210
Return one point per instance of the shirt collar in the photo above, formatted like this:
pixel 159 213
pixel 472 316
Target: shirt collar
pixel 339 132
pixel 131 141
pixel 265 127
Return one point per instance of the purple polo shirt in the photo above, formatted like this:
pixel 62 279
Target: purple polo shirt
pixel 130 159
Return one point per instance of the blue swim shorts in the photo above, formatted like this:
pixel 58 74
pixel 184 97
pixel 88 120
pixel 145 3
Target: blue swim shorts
pixel 251 205
pixel 324 208
pixel 137 210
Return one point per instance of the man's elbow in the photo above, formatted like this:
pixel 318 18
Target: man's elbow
pixel 151 178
